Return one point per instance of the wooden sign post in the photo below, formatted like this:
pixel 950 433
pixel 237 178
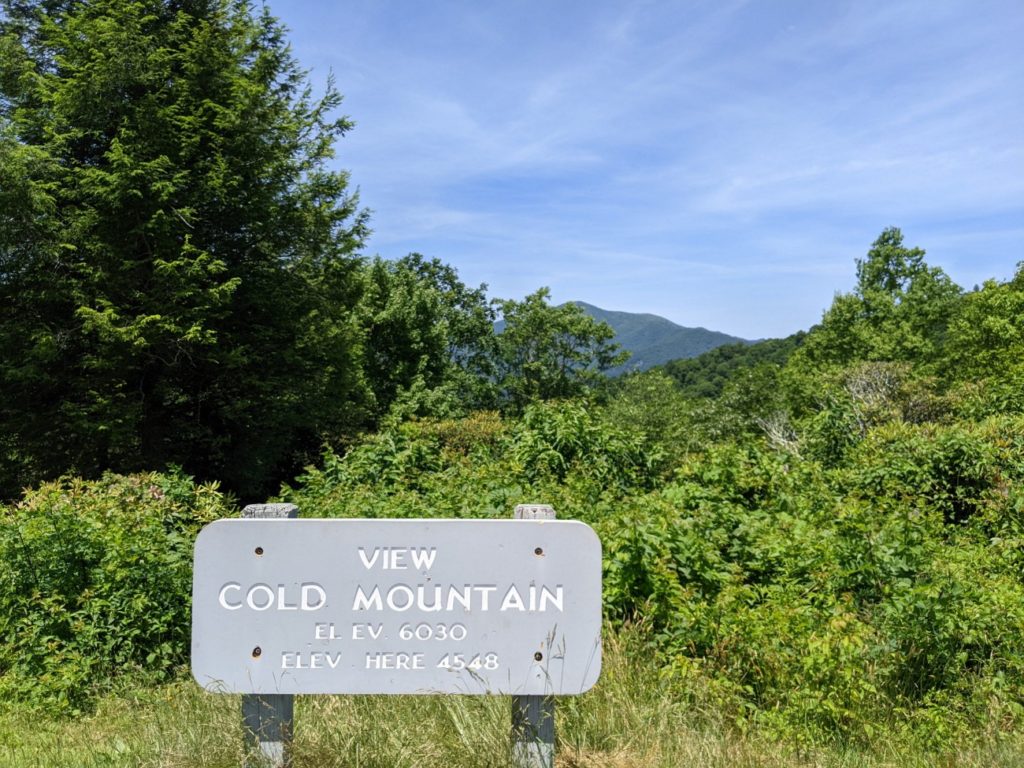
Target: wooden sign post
pixel 533 717
pixel 267 719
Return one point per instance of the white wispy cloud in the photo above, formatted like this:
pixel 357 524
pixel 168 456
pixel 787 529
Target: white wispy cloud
pixel 727 158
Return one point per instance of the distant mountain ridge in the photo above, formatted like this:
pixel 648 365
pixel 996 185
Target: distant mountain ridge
pixel 653 340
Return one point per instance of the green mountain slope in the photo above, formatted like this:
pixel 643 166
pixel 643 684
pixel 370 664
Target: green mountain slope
pixel 653 340
pixel 706 374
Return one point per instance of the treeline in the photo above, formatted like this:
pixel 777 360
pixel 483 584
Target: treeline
pixel 705 375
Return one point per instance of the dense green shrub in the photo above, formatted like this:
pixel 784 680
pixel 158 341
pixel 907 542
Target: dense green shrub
pixel 558 439
pixel 481 466
pixel 95 580
pixel 946 469
pixel 885 592
pixel 422 468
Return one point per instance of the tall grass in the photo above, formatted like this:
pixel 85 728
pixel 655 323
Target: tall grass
pixel 633 718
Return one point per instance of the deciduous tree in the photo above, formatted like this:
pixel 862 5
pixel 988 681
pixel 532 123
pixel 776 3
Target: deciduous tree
pixel 899 310
pixel 429 338
pixel 546 352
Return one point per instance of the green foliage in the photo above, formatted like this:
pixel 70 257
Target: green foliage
pixel 559 440
pixel 864 395
pixel 428 339
pixel 985 349
pixel 651 404
pixel 178 275
pixel 843 601
pixel 899 310
pixel 706 375
pixel 547 353
pixel 95 581
pixel 751 403
pixel 947 470
pixel 480 466
pixel 985 342
pixel 419 468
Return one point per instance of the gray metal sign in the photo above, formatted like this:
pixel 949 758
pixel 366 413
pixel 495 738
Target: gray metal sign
pixel 397 606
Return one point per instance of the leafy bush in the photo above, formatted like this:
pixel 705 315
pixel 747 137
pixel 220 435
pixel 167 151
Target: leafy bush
pixel 883 593
pixel 422 468
pixel 949 469
pixel 95 581
pixel 480 466
pixel 560 439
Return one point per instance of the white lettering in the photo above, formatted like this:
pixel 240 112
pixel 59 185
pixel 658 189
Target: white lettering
pixel 555 599
pixel 409 598
pixel 282 604
pixel 222 597
pixel 421 603
pixel 464 597
pixel 394 661
pixel 308 589
pixel 434 598
pixel 398 560
pixel 317 660
pixel 363 602
pixel 394 558
pixel 368 562
pixel 423 558
pixel 325 631
pixel 263 597
pixel 513 600
pixel 250 599
pixel 360 631
pixel 485 593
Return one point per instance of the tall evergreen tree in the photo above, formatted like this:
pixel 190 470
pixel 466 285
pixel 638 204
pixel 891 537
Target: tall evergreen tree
pixel 177 260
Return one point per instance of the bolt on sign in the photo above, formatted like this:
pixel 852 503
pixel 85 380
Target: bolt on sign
pixel 397 606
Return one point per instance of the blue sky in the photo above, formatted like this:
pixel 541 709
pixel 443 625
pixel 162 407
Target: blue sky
pixel 721 164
